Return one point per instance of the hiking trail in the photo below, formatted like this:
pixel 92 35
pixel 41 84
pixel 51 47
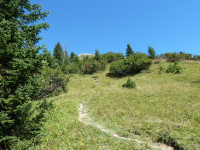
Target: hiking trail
pixel 84 118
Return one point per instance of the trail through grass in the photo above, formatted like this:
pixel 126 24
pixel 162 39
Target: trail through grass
pixel 83 117
pixel 163 108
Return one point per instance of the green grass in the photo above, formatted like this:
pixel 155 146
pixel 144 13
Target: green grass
pixel 163 107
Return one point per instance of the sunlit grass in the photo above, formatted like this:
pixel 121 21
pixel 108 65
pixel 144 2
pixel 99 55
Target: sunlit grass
pixel 163 107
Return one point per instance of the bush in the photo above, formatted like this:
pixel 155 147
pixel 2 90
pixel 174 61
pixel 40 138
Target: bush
pixel 174 68
pixel 196 57
pixel 91 66
pixel 130 65
pixel 129 84
pixel 110 57
pixel 54 82
pixel 72 68
pixel 173 57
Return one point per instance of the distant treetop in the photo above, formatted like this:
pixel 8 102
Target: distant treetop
pixel 129 50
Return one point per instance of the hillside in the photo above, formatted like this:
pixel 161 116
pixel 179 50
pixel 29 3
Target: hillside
pixel 163 108
pixel 81 56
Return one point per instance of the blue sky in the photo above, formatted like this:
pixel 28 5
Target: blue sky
pixel 109 25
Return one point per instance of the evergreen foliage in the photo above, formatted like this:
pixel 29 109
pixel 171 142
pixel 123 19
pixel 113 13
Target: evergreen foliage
pixel 152 53
pixel 72 55
pixel 196 57
pixel 177 57
pixel 71 64
pixel 48 61
pixel 110 57
pixel 92 65
pixel 129 84
pixel 58 53
pixel 20 71
pixel 74 58
pixel 129 51
pixel 66 57
pixel 130 65
pixel 72 68
pixel 173 57
pixel 174 68
pixel 97 56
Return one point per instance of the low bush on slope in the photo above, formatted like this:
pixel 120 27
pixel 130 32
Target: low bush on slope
pixel 130 65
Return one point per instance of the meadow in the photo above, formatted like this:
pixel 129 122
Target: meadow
pixel 164 107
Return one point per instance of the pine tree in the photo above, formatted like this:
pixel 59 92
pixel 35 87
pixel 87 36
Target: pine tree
pixel 129 50
pixel 72 55
pixel 152 53
pixel 58 53
pixel 97 56
pixel 19 64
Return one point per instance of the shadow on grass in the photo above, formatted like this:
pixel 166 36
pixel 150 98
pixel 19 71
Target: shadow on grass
pixel 166 139
pixel 196 82
pixel 127 74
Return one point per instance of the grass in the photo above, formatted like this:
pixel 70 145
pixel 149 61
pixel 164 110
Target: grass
pixel 163 108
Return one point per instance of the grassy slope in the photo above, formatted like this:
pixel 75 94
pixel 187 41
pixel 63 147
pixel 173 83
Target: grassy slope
pixel 163 106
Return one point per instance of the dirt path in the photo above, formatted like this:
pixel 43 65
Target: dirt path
pixel 84 118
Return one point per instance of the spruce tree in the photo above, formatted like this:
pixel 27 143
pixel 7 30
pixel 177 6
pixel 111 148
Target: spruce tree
pixel 97 56
pixel 152 53
pixel 19 65
pixel 72 55
pixel 129 50
pixel 58 53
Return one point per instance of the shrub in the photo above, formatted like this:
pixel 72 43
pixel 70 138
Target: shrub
pixel 130 65
pixel 72 68
pixel 129 84
pixel 92 66
pixel 118 69
pixel 174 68
pixel 54 82
pixel 110 57
pixel 196 57
pixel 173 57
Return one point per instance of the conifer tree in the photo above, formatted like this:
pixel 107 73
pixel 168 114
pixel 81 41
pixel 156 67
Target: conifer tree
pixel 58 53
pixel 97 56
pixel 152 53
pixel 74 58
pixel 72 55
pixel 19 65
pixel 129 50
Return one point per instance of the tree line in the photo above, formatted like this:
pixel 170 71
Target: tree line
pixel 87 65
